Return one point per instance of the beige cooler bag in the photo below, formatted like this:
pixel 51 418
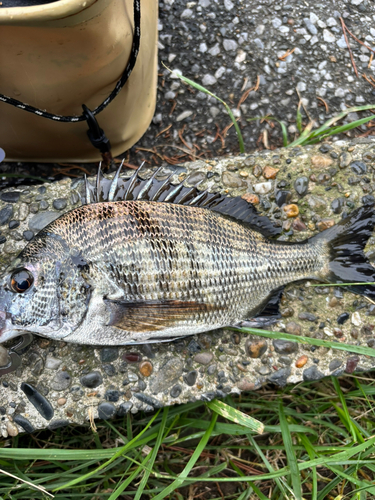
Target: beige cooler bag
pixel 59 56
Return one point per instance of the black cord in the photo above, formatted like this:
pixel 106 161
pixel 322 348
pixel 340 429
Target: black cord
pixel 112 95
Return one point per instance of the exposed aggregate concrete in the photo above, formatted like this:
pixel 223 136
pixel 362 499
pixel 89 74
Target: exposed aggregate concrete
pixel 304 190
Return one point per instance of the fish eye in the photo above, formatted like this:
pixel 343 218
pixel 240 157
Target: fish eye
pixel 21 280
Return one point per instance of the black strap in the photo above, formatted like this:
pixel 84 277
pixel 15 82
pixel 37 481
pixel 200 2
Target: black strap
pixel 112 95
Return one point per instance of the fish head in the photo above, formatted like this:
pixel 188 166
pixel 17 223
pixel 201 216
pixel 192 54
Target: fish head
pixel 44 292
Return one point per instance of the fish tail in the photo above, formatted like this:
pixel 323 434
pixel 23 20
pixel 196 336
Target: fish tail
pixel 347 261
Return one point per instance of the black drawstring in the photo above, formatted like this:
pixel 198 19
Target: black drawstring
pixel 96 135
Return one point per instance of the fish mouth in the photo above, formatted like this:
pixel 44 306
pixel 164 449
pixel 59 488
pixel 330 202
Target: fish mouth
pixel 7 329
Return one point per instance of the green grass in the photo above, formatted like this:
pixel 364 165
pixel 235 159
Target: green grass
pixel 315 441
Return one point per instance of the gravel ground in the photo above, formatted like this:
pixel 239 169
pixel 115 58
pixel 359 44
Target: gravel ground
pixel 227 46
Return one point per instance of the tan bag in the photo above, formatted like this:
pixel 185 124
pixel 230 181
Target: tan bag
pixel 57 57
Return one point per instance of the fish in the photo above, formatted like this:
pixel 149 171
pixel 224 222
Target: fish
pixel 145 260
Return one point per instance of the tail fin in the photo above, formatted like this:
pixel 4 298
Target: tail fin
pixel 346 241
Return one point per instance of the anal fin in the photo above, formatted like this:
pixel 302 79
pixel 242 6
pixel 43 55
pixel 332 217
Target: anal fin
pixel 268 312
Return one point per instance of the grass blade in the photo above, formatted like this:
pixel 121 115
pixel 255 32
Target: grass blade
pixel 367 351
pixel 236 416
pixel 182 476
pixel 206 91
pixel 290 453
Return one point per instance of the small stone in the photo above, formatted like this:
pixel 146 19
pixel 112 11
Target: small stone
pixel 306 316
pixel 208 80
pixel 337 205
pixel 61 381
pixel 270 172
pixel 263 187
pixel 334 364
pixel 287 312
pixel 358 167
pixel 256 349
pixel 351 364
pixel 91 380
pixel 263 370
pixel 342 318
pixel 325 224
pixel 333 302
pixel 175 391
pixel 312 373
pixel 167 375
pixel 229 45
pixel 301 361
pixel 280 377
pixel 12 429
pixel 61 401
pixel 191 377
pixel 132 357
pixel 42 405
pixel 52 363
pixel 246 385
pixel 291 210
pixel 321 161
pixel 112 395
pixel 232 180
pixel 282 197
pixel 141 385
pixel 257 171
pixel 251 198
pixel 298 225
pixel 186 14
pixel 108 354
pixel 293 328
pixel 145 367
pixel 10 197
pixel 203 358
pixel 6 214
pixel 328 36
pixel 184 115
pixel 211 369
pixel 356 319
pixel 109 370
pixel 24 423
pixel 148 400
pixel 301 185
pixel 13 224
pixel 28 235
pixel 284 346
pixel 133 377
pixel 106 410
pixel 60 204
pixel 43 205
pixel 345 159
pixel 310 26
pixel 124 408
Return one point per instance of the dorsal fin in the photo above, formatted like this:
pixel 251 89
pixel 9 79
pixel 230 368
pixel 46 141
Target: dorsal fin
pixel 154 189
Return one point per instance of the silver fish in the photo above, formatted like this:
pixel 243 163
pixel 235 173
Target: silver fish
pixel 148 261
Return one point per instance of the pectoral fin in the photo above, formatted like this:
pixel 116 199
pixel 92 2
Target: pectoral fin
pixel 154 315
